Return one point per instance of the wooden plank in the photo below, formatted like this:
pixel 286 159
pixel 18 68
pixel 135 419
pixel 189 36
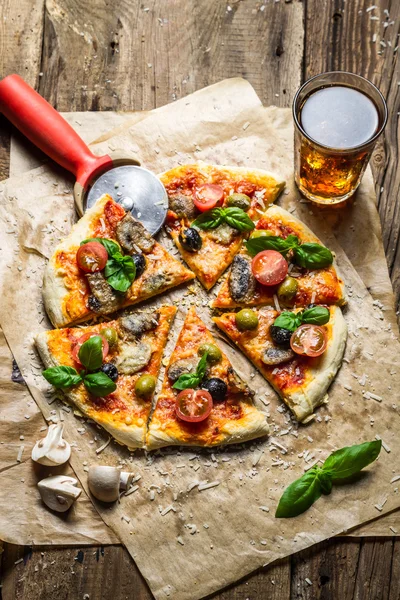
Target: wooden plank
pixel 343 39
pixel 58 573
pixel 330 567
pixel 136 56
pixel 21 32
pixel 109 572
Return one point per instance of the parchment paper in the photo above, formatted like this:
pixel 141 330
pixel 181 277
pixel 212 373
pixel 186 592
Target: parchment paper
pixel 229 529
pixel 371 267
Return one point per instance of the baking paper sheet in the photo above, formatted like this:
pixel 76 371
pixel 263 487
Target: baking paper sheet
pixel 230 529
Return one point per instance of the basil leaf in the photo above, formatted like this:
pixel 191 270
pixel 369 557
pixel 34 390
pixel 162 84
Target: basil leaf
pixel 238 219
pixel 99 384
pixel 300 495
pixel 120 272
pixel 202 366
pixel 288 320
pixel 318 315
pixel 326 482
pixel 351 459
pixel 91 353
pixel 186 381
pixel 109 245
pixel 62 377
pixel 192 380
pixel 271 242
pixel 209 219
pixel 313 256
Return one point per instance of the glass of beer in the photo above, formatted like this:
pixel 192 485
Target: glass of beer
pixel 338 118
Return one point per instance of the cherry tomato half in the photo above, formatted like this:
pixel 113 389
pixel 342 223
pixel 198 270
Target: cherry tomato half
pixel 82 340
pixel 309 340
pixel 193 406
pixel 91 257
pixel 207 196
pixel 269 267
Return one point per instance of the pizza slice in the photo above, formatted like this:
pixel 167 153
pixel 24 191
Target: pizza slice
pixel 109 370
pixel 203 402
pixel 211 210
pixel 306 273
pixel 295 354
pixel 107 262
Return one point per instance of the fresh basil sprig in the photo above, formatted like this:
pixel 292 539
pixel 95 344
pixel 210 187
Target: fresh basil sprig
pixel 317 315
pixel 120 270
pixel 192 380
pixel 341 464
pixel 309 255
pixel 233 216
pixel 91 356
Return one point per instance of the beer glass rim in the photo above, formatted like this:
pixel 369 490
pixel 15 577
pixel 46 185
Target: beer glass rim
pixel 330 148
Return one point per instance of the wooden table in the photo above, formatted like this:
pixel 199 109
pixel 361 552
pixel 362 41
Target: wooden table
pixel 131 55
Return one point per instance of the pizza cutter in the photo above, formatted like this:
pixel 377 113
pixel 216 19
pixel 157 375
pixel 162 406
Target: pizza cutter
pixel 135 188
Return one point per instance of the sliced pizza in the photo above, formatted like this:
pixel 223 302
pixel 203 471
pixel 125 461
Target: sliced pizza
pixel 305 273
pixel 203 402
pixel 107 262
pixel 299 354
pixel 109 370
pixel 211 210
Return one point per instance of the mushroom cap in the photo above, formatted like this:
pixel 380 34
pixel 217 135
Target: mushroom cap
pixel 104 482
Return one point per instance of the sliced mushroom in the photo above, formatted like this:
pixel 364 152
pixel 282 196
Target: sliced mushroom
pixel 242 282
pixel 104 299
pixel 132 235
pixel 136 324
pixel 183 206
pixel 223 234
pixel 236 385
pixel 276 356
pixel 53 449
pixel 133 358
pixel 155 282
pixel 59 492
pixel 105 483
pixel 182 367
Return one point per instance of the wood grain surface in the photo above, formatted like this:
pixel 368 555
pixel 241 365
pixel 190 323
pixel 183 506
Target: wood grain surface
pixel 137 55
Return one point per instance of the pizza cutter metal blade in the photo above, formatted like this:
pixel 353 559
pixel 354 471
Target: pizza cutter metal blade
pixel 121 176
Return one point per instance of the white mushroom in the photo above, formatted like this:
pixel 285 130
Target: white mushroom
pixel 53 449
pixel 59 492
pixel 105 483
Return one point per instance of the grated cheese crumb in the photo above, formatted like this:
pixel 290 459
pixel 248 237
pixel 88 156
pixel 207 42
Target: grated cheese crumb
pixel 103 447
pixel 207 486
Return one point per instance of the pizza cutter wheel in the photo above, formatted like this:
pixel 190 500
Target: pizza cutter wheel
pixel 121 176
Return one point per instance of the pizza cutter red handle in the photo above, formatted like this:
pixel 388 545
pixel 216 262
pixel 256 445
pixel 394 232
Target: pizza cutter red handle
pixel 48 130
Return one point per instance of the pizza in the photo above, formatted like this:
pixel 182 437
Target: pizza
pixel 212 209
pixel 298 357
pixel 301 285
pixel 107 262
pixel 203 402
pixel 119 384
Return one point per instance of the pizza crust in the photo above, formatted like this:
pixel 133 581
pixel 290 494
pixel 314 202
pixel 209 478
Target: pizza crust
pixel 210 262
pixel 303 402
pixel 55 282
pixel 132 436
pixel 252 425
pixel 166 429
pixel 307 236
